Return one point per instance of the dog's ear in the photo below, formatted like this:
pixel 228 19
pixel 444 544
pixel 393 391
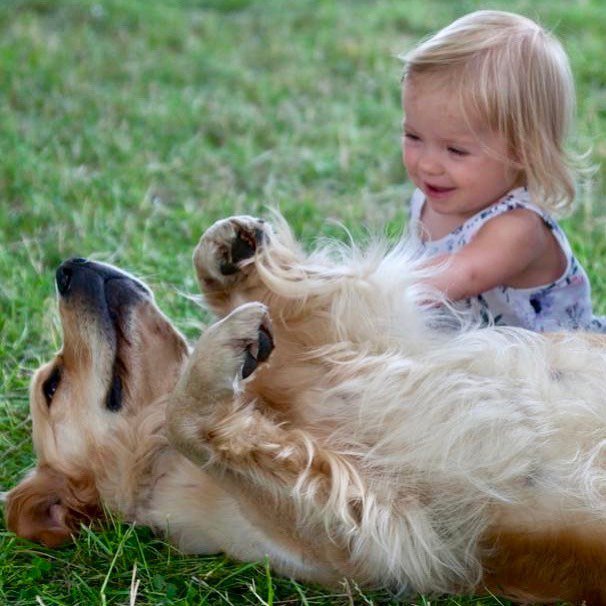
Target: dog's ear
pixel 48 507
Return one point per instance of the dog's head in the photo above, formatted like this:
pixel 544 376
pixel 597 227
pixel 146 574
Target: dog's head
pixel 119 354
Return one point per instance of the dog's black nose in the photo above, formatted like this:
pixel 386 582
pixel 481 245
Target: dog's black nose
pixel 65 272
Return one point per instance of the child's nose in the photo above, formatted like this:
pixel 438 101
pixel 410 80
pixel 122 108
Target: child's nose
pixel 429 163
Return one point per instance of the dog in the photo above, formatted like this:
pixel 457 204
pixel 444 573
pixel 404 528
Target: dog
pixel 330 420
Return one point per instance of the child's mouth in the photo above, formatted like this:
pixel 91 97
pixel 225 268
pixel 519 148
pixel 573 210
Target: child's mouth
pixel 437 192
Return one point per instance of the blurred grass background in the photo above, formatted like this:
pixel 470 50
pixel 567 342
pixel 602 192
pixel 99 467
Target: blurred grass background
pixel 128 126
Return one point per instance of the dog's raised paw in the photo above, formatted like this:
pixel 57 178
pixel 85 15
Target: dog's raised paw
pixel 224 249
pixel 240 342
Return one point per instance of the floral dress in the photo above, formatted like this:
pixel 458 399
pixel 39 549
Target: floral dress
pixel 564 304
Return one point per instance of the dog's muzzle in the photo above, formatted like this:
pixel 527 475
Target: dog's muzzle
pixel 102 296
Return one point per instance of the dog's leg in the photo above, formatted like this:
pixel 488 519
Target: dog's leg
pixel 212 421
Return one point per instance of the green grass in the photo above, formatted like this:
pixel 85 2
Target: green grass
pixel 127 127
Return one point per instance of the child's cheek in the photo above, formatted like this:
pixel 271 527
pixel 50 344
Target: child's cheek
pixel 410 159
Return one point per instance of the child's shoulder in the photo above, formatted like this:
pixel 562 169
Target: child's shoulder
pixel 517 224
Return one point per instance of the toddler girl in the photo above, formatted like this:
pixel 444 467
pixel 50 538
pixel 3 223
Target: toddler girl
pixel 488 101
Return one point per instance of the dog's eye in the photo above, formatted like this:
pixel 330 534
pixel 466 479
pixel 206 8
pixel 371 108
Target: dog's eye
pixel 49 387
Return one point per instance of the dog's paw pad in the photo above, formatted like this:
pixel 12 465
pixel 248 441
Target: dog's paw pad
pixel 243 246
pixel 266 344
pixel 250 365
pixel 258 352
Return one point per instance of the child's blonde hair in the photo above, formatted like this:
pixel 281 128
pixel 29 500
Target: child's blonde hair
pixel 513 77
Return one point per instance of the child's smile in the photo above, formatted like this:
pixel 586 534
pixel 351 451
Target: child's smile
pixel 435 191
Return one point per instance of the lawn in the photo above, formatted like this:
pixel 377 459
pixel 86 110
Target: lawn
pixel 128 126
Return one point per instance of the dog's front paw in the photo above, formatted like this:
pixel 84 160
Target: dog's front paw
pixel 247 332
pixel 226 249
pixel 229 351
pixel 206 414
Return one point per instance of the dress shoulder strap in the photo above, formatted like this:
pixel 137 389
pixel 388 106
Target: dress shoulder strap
pixel 517 198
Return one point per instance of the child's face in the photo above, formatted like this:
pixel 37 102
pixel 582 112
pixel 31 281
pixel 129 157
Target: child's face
pixel 460 171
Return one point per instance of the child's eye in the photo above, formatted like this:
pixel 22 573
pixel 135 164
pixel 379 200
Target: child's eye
pixel 457 151
pixel 411 137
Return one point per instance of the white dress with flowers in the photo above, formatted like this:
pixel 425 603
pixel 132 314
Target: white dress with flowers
pixel 561 305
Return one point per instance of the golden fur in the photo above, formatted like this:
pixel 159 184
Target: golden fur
pixel 329 420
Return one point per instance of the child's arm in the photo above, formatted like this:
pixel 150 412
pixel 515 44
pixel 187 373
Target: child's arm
pixel 501 253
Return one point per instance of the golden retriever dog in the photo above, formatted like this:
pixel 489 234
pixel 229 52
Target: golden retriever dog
pixel 329 421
